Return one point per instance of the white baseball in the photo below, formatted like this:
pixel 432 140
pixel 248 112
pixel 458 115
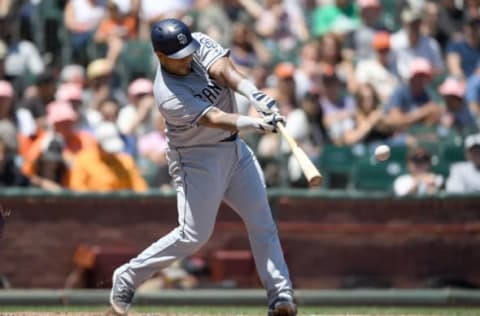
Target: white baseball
pixel 382 152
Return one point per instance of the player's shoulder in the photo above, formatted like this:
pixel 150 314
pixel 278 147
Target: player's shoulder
pixel 206 42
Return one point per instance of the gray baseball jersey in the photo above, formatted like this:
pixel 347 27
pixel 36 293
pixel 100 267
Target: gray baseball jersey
pixel 183 102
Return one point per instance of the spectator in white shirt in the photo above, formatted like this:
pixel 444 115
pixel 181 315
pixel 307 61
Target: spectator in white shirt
pixel 465 176
pixel 376 71
pixel 419 180
pixel 409 43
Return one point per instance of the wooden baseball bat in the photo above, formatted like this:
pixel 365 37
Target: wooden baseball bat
pixel 309 170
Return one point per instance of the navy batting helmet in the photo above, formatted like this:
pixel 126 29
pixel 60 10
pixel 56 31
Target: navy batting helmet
pixel 173 38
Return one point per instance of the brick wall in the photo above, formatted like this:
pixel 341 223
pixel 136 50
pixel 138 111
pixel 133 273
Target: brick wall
pixel 328 243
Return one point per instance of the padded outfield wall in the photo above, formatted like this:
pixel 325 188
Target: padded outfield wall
pixel 331 239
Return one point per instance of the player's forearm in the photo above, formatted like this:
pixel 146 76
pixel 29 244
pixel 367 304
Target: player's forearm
pixel 225 72
pixel 235 122
pixel 228 121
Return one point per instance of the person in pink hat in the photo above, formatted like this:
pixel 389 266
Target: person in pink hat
pixel 61 118
pixel 72 93
pixel 456 114
pixel 411 103
pixel 135 118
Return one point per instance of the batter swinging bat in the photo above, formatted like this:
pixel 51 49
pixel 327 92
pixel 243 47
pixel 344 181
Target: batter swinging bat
pixel 309 170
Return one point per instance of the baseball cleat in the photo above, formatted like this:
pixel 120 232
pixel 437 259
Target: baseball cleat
pixel 122 293
pixel 283 307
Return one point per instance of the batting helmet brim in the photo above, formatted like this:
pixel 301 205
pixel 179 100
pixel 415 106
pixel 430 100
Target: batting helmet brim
pixel 186 51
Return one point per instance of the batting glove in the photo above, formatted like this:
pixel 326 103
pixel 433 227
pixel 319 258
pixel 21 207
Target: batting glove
pixel 270 121
pixel 264 103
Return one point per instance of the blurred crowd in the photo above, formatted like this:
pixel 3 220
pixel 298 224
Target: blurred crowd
pixel 77 110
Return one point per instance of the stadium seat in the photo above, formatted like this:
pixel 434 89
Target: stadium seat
pixel 336 164
pixel 441 167
pixel 398 153
pixel 452 153
pixel 371 175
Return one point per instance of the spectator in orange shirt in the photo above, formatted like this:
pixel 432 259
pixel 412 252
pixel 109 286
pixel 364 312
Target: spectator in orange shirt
pixel 105 167
pixel 62 118
pixel 119 25
pixel 50 171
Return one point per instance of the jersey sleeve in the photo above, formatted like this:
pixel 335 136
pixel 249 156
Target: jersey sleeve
pixel 184 110
pixel 210 51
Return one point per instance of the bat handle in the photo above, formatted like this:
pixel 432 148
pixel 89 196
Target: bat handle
pixel 291 142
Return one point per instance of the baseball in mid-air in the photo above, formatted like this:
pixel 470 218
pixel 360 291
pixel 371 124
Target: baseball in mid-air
pixel 382 152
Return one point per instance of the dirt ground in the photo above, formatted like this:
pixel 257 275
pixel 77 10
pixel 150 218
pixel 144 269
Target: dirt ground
pixel 168 314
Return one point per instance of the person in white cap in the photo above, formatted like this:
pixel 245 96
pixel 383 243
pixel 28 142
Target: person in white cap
pixel 464 176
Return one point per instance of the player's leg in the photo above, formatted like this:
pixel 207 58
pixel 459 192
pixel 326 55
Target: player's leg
pixel 197 205
pixel 246 194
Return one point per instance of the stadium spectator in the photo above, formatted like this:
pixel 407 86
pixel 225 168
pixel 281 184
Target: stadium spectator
pixel 35 102
pixel 463 55
pixel 473 93
pixel 359 42
pixel 471 9
pixel 411 103
pixel 313 111
pixel 282 25
pixel 464 176
pixel 376 71
pixel 308 72
pixel 8 121
pixel 368 124
pixel 450 21
pixel 338 109
pixel 72 93
pixel 456 115
pixel 10 174
pixel 3 54
pixel 340 16
pixel 247 50
pixel 31 113
pixel 152 159
pixel 81 18
pixel 135 118
pixel 431 26
pixel 72 73
pixel 212 19
pixel 109 110
pixel 49 170
pixel 105 167
pixel 120 24
pixel 409 43
pixel 419 180
pixel 331 56
pixel 100 87
pixel 23 60
pixel 62 119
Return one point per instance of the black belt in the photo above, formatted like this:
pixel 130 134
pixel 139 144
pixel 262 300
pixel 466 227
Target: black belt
pixel 230 138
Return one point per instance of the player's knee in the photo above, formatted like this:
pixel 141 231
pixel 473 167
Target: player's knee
pixel 194 239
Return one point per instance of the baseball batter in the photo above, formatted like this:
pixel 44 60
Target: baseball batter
pixel 194 90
